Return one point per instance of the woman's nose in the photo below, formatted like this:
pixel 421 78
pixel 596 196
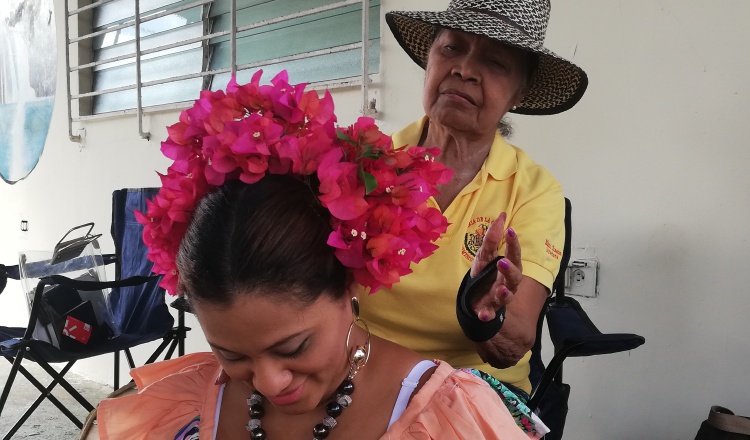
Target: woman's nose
pixel 466 69
pixel 270 378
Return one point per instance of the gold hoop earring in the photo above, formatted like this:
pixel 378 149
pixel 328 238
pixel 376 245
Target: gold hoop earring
pixel 358 356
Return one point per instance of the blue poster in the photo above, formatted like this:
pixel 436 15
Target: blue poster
pixel 27 83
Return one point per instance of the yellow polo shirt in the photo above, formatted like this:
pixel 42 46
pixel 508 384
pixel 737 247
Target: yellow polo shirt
pixel 420 311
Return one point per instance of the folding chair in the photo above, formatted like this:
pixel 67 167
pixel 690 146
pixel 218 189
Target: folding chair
pixel 573 335
pixel 139 314
pixel 126 233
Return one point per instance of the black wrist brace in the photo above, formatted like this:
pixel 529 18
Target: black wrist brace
pixel 472 288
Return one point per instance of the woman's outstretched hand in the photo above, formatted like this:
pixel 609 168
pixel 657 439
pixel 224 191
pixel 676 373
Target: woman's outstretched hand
pixel 509 273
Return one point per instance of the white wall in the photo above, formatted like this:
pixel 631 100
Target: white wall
pixel 653 159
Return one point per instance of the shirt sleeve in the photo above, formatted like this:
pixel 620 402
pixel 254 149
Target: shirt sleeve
pixel 460 407
pixel 172 395
pixel 538 219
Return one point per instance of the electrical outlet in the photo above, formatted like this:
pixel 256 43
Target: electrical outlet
pixel 581 278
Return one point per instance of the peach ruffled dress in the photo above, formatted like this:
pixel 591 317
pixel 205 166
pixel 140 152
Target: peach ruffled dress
pixel 178 399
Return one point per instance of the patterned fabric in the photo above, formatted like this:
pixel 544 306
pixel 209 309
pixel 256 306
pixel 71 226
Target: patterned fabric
pixel 190 431
pixel 557 84
pixel 515 403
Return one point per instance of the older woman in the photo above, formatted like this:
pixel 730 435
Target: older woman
pixel 482 59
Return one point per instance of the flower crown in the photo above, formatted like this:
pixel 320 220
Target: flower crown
pixel 377 195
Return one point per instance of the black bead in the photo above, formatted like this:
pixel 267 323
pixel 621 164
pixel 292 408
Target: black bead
pixel 346 387
pixel 333 409
pixel 256 411
pixel 320 431
pixel 258 434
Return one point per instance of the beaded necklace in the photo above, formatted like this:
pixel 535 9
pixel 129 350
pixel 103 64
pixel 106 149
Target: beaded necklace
pixel 357 359
pixel 321 430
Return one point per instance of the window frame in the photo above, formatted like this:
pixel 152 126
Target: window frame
pixel 81 73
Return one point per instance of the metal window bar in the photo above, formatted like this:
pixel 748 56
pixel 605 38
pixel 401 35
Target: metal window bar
pixel 233 37
pixel 91 6
pixel 223 70
pixel 368 107
pixel 206 49
pixel 142 20
pixel 301 14
pixel 139 97
pixel 353 81
pixel 201 39
pixel 212 35
pixel 73 138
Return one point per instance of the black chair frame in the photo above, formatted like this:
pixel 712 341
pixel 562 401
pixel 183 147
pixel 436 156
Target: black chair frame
pixel 43 353
pixel 573 334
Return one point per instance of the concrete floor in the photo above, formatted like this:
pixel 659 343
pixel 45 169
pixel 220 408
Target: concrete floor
pixel 47 422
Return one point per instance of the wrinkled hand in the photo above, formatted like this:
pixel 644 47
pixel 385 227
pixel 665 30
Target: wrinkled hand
pixel 509 273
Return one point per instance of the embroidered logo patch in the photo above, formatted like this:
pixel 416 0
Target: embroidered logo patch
pixel 474 236
pixel 552 250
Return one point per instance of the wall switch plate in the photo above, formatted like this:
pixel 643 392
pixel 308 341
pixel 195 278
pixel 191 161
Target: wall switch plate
pixel 581 278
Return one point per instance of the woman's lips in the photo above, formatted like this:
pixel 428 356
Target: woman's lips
pixel 287 398
pixel 459 94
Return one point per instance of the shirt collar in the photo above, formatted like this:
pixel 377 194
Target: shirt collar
pixel 501 163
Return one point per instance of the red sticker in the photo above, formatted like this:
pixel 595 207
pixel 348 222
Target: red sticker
pixel 77 329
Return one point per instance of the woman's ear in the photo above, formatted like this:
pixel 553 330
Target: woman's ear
pixel 520 94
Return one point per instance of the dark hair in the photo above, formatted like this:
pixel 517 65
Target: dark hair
pixel 266 238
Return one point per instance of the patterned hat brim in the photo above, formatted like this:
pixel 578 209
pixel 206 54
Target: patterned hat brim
pixel 557 84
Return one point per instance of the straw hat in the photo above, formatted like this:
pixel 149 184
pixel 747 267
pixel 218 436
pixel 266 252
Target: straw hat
pixel 557 84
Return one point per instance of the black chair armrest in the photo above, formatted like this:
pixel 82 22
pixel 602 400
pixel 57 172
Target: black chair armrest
pixel 94 285
pixel 570 326
pixel 7 272
pixel 10 272
pixel 181 305
pixel 574 335
pixel 14 273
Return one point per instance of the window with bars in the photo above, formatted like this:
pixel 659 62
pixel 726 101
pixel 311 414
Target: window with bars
pixel 126 55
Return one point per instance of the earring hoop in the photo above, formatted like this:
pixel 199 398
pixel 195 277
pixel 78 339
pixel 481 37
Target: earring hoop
pixel 359 356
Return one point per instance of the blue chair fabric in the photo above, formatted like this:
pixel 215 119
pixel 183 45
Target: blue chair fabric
pixel 137 303
pixel 134 310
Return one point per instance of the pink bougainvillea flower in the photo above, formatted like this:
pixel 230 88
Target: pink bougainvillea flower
pixel 249 95
pixel 431 223
pixel 253 168
pixel 391 258
pixel 366 132
pixel 317 110
pixel 340 191
pixel 376 195
pixel 348 249
pixel 255 133
pixel 400 159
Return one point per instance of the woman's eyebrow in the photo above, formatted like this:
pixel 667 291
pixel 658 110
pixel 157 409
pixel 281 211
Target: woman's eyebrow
pixel 271 347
